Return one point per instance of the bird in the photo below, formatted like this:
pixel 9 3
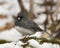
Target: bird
pixel 26 25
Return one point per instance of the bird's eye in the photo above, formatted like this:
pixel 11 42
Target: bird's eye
pixel 18 18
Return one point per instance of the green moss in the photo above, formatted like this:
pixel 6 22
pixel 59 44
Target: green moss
pixel 25 45
pixel 52 28
pixel 3 41
pixel 53 41
pixel 42 40
pixel 26 39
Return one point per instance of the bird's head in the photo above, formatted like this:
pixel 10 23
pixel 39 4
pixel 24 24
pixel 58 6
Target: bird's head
pixel 21 16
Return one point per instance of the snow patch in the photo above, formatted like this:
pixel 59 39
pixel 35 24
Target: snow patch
pixel 37 35
pixel 40 19
pixel 10 35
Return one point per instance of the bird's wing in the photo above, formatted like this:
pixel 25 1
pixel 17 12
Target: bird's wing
pixel 34 26
pixel 29 24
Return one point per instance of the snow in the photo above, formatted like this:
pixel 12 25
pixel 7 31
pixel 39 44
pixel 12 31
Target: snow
pixel 34 43
pixel 42 27
pixel 56 46
pixel 19 43
pixel 10 35
pixel 46 45
pixel 9 45
pixel 39 1
pixel 9 19
pixel 40 19
pixel 1 0
pixel 31 42
pixel 26 5
pixel 11 8
pixel 38 9
pixel 37 35
pixel 3 22
pixel 54 8
pixel 55 1
pixel 58 17
pixel 3 10
pixel 15 7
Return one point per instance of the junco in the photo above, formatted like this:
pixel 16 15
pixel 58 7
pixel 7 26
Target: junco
pixel 26 25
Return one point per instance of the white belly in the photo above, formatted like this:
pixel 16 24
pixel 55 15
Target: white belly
pixel 24 31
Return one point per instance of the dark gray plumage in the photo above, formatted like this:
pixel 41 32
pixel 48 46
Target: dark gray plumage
pixel 26 25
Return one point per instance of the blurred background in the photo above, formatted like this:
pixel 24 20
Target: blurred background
pixel 45 13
